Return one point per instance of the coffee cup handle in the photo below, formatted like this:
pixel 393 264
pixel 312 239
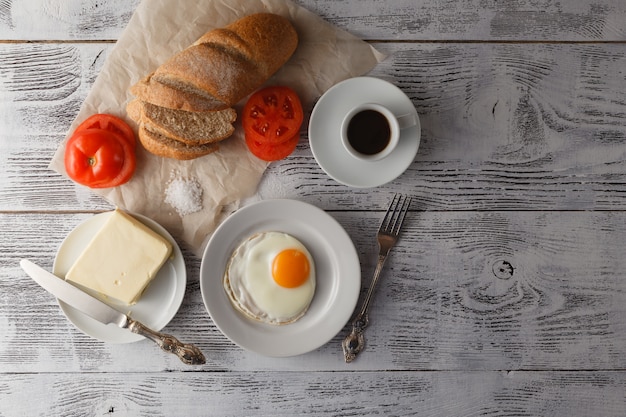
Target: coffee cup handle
pixel 407 120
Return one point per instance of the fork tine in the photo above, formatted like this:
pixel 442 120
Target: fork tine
pixel 394 217
pixel 384 224
pixel 400 219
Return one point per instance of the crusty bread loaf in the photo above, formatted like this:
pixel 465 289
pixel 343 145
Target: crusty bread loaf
pixel 191 128
pixel 185 106
pixel 223 66
pixel 169 148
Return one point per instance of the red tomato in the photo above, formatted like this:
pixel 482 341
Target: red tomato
pixel 110 123
pixel 272 115
pixel 128 169
pixel 269 152
pixel 99 158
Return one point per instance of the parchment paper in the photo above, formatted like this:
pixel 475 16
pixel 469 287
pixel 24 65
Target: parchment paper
pixel 160 28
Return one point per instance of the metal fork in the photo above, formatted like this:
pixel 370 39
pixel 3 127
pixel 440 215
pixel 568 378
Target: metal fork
pixel 387 237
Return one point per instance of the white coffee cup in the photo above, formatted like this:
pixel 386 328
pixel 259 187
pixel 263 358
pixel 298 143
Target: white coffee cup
pixel 370 131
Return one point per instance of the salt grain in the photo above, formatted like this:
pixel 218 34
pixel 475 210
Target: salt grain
pixel 184 194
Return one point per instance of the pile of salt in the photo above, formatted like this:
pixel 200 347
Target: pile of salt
pixel 184 194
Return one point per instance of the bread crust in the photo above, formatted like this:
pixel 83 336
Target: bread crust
pixel 152 91
pixel 169 148
pixel 223 66
pixel 213 74
pixel 228 78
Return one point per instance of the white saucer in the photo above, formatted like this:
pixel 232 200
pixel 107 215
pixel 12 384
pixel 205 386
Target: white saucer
pixel 158 304
pixel 338 277
pixel 325 127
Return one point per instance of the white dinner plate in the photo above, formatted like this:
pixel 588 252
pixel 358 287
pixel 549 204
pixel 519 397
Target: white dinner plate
pixel 158 304
pixel 325 130
pixel 338 277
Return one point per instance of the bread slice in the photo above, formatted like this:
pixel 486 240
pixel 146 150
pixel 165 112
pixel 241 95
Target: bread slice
pixel 175 96
pixel 166 147
pixel 192 128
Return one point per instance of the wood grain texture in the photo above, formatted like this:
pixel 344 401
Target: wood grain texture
pixel 513 127
pixel 504 127
pixel 505 295
pixel 63 20
pixel 519 20
pixel 461 291
pixel 42 87
pixel 547 394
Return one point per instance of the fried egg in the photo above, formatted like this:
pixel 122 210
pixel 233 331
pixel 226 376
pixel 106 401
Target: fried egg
pixel 270 278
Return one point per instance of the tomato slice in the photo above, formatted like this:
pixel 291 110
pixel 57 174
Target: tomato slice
pixel 99 158
pixel 269 152
pixel 273 115
pixel 111 123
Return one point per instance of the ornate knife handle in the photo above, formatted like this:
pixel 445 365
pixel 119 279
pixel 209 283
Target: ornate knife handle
pixel 187 353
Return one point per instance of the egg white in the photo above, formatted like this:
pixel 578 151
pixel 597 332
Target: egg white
pixel 251 288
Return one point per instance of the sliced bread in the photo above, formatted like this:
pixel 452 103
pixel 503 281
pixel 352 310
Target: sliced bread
pixel 192 128
pixel 180 97
pixel 166 147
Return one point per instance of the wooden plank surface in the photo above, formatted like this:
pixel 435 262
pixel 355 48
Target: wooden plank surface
pixel 545 20
pixel 444 394
pixel 505 295
pixel 461 291
pixel 504 127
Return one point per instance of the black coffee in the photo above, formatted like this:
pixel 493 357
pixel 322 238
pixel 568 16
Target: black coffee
pixel 369 132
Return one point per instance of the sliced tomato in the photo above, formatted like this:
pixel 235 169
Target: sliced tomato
pixel 111 123
pixel 269 152
pixel 272 115
pixel 99 158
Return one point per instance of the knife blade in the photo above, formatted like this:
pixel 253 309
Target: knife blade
pixel 106 314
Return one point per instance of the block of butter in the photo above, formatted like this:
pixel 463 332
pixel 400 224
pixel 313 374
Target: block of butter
pixel 120 260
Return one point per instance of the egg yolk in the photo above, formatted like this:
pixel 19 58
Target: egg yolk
pixel 290 268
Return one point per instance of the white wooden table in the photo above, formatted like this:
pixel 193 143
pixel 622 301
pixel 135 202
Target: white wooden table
pixel 506 295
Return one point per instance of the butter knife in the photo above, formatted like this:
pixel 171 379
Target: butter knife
pixel 106 314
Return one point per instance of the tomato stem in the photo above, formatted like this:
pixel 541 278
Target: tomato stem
pixel 92 161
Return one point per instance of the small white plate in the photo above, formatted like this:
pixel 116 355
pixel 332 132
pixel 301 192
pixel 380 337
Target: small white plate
pixel 325 128
pixel 338 277
pixel 158 304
